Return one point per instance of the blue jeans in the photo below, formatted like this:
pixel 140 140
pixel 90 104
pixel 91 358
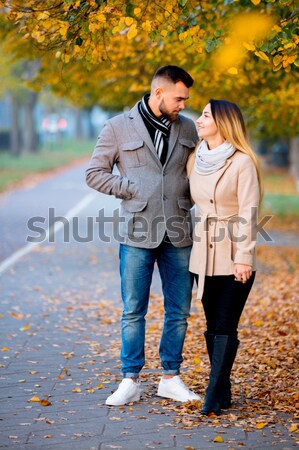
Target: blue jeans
pixel 136 270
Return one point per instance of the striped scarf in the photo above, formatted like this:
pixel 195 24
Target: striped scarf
pixel 161 127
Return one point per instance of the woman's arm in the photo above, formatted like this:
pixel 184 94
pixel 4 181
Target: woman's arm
pixel 248 200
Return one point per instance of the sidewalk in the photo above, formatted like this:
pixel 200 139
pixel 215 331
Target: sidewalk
pixel 60 309
pixel 60 343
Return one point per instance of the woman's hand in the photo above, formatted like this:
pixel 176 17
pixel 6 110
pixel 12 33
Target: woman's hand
pixel 242 272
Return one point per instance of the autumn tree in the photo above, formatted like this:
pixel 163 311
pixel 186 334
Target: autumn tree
pixel 105 52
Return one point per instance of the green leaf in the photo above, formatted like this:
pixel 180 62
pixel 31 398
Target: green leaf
pixel 130 10
pixel 218 33
pixel 182 3
pixel 210 45
pixel 153 35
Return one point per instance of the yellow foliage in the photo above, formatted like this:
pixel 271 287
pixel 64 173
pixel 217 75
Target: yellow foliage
pixel 262 55
pixel 249 46
pixel 146 26
pixel 132 32
pixel 233 71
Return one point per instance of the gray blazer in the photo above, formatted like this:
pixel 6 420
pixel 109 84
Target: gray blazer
pixel 155 199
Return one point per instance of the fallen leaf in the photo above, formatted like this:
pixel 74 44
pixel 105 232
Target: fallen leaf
pixel 45 402
pixel 35 398
pixel 76 390
pixel 218 439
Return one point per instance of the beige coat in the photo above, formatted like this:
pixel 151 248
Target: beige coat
pixel 226 217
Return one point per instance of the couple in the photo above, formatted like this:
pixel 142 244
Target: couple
pixel 153 148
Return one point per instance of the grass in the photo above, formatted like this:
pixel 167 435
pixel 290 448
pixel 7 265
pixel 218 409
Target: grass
pixel 281 197
pixel 15 169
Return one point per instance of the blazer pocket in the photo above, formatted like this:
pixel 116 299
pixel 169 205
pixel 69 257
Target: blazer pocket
pixel 186 146
pixel 130 210
pixel 133 153
pixel 134 205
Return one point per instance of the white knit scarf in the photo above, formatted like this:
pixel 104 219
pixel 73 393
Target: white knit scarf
pixel 209 161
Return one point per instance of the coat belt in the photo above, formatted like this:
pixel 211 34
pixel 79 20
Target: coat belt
pixel 201 231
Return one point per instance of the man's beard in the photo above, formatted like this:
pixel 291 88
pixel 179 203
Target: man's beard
pixel 171 116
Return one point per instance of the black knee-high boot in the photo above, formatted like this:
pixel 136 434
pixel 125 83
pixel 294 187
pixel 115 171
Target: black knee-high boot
pixel 223 349
pixel 226 396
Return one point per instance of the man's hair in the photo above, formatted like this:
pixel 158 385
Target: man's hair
pixel 174 74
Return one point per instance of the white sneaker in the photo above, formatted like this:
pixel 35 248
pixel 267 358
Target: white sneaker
pixel 175 389
pixel 128 391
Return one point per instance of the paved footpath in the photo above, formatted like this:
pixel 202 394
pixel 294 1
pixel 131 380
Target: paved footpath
pixel 60 306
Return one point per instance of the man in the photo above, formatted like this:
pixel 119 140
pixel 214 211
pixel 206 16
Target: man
pixel 150 146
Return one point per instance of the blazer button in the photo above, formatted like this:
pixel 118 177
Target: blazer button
pixel 211 246
pixel 211 201
pixel 164 197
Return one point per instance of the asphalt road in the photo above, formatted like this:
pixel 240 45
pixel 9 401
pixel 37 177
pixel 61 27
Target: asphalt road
pixel 59 313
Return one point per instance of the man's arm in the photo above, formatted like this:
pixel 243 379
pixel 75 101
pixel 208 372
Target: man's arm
pixel 99 173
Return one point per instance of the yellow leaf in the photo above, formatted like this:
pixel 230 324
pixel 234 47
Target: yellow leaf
pixel 256 2
pixel 91 391
pixel 233 71
pixel 261 425
pixel 196 360
pixel 218 439
pixel 25 328
pixel 132 32
pixel 262 55
pixel 277 60
pixel 76 390
pixel 33 399
pixel 277 68
pixel 164 33
pixel 146 26
pixel 48 436
pixel 100 386
pixel 258 323
pixel 129 21
pixel 4 349
pixel 288 45
pixel 293 427
pixel 137 11
pixel 249 46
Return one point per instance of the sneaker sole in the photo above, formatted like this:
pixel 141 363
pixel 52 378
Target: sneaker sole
pixel 136 398
pixel 172 397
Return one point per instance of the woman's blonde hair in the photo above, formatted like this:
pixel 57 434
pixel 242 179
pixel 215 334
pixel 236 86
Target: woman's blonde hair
pixel 230 123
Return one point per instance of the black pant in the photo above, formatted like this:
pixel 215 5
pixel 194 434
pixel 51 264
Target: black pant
pixel 223 301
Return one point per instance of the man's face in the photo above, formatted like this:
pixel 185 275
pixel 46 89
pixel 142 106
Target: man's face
pixel 172 99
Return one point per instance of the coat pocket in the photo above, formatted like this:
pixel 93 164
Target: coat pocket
pixel 133 153
pixel 133 216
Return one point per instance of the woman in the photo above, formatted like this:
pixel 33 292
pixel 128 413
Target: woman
pixel 226 188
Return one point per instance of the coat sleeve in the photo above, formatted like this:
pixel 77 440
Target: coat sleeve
pixel 99 173
pixel 248 200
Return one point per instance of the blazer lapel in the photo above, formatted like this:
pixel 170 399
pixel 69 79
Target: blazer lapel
pixel 142 131
pixel 174 133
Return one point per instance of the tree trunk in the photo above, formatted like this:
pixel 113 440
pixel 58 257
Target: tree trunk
pixel 28 129
pixel 294 159
pixel 90 127
pixel 79 127
pixel 15 147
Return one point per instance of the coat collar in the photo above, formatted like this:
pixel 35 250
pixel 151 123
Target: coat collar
pixel 141 129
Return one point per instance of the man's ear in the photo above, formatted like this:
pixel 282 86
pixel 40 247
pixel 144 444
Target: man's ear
pixel 158 92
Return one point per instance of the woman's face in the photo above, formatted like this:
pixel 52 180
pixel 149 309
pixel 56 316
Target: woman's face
pixel 206 126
